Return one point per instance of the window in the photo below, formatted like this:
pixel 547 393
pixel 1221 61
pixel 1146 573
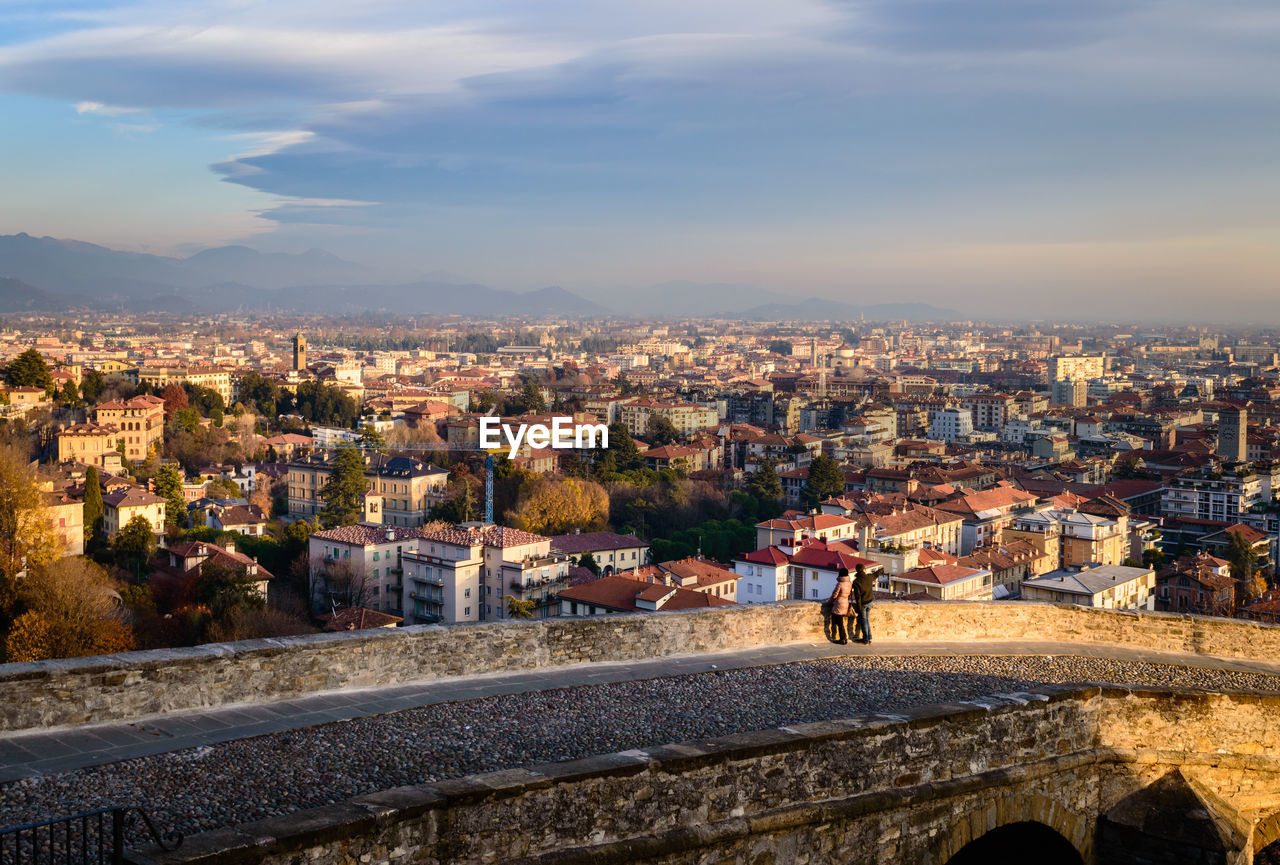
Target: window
pixel 375 572
pixel 466 593
pixel 466 611
pixel 814 593
pixel 375 555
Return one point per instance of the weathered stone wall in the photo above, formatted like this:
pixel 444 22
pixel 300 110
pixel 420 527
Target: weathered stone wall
pixel 910 788
pixel 137 684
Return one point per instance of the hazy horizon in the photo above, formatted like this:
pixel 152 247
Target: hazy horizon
pixel 997 157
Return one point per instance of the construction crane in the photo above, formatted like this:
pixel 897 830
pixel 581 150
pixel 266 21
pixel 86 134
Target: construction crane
pixel 433 446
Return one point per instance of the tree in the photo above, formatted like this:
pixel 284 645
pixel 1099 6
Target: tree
pixel 70 610
pixel 1243 559
pixel 221 488
pixel 339 585
pixel 135 544
pixel 554 506
pixel 1153 558
pixel 175 399
pixel 765 484
pixel 342 491
pixel 588 561
pixel 780 346
pixel 531 400
pixel 169 487
pixel 460 508
pixel 662 431
pixel 93 510
pixel 186 420
pixel 27 538
pixel 29 370
pixel 825 480
pixel 224 587
pixel 91 384
pixel 622 455
pixel 371 439
pixel 518 609
pixel 69 393
pixel 482 402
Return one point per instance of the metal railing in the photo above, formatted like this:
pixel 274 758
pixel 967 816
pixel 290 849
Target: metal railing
pixel 94 836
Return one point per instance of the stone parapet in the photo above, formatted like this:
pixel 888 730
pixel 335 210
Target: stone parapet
pixel 138 684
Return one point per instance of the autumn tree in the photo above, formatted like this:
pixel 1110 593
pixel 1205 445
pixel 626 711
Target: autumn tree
pixel 169 487
pixel 518 609
pixel 342 491
pixel 27 537
pixel 175 399
pixel 554 506
pixel 93 509
pixel 69 608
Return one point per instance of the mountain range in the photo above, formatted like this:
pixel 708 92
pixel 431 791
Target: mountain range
pixel 45 274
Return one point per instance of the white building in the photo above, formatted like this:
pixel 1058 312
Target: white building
pixel 1111 587
pixel 950 424
pixel 764 576
pixel 359 565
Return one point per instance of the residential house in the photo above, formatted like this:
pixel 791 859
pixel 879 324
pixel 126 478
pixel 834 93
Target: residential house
pixel 611 551
pixel 1111 587
pixel 122 505
pixel 942 582
pixel 628 593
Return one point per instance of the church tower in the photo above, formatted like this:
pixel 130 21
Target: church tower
pixel 299 352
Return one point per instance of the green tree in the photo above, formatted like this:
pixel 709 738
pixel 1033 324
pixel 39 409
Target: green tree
pixel 825 480
pixel 91 384
pixel 1243 559
pixel 765 484
pixel 93 510
pixel 371 439
pixel 588 561
pixel 342 491
pixel 169 487
pixel 1153 558
pixel 186 419
pixel 662 431
pixel 780 346
pixel 482 402
pixel 531 399
pixel 224 587
pixel 29 370
pixel 69 394
pixel 134 545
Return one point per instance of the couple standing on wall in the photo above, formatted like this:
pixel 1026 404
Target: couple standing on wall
pixel 858 591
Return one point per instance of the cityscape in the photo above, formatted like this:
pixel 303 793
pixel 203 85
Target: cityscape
pixel 556 434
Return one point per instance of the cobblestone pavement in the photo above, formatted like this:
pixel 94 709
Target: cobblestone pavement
pixel 211 785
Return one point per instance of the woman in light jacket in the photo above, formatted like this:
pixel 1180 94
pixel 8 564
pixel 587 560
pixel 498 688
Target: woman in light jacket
pixel 840 607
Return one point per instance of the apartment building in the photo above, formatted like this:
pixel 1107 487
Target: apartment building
pixel 122 505
pixel 687 418
pixel 409 488
pixel 210 377
pixel 1212 495
pixel 91 444
pixel 360 565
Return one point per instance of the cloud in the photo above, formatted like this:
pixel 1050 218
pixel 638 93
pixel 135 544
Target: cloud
pixel 105 110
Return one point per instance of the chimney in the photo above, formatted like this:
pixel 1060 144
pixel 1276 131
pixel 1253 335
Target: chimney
pixel 230 546
pixel 391 533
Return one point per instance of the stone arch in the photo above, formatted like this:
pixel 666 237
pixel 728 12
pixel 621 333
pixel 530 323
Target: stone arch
pixel 1013 842
pixel 1008 809
pixel 1266 831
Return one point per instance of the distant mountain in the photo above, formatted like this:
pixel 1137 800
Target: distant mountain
pixel 17 296
pixel 73 273
pixel 680 298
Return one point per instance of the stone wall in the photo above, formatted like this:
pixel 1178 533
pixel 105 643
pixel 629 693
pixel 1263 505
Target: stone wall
pixel 137 684
pixel 907 788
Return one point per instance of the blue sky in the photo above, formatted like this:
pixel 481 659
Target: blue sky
pixel 1030 156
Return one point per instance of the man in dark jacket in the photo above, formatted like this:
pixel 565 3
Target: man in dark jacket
pixel 864 591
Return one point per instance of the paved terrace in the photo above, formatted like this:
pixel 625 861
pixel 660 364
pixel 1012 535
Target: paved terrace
pixel 206 769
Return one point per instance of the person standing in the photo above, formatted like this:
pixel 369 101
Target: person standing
pixel 864 587
pixel 840 599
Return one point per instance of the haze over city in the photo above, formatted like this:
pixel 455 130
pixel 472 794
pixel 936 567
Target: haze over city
pixel 995 158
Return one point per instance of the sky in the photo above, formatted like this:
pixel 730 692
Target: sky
pixel 1033 157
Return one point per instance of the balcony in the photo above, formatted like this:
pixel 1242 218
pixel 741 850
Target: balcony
pixel 430 580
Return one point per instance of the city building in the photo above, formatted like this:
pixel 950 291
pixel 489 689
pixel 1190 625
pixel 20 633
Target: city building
pixel 1111 587
pixel 122 505
pixel 140 421
pixel 611 551
pixel 359 566
pixel 410 488
pixel 628 593
pixel 1233 432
